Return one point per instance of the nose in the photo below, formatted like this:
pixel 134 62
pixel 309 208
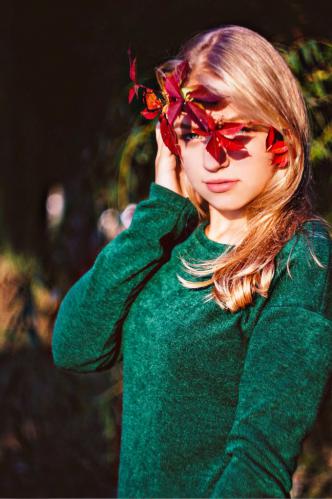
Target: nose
pixel 211 163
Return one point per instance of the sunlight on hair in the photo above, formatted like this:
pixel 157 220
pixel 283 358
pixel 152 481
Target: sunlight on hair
pixel 264 88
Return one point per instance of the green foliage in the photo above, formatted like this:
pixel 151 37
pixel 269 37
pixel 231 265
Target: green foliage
pixel 311 62
pixel 137 149
pixel 19 262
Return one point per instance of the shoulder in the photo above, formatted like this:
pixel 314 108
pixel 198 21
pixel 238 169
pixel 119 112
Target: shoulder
pixel 303 269
pixel 311 239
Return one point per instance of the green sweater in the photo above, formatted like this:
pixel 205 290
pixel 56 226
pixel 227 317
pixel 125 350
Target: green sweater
pixel 215 403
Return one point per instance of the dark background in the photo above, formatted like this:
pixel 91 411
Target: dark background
pixel 64 73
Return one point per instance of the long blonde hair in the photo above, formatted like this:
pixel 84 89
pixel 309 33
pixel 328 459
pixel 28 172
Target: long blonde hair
pixel 263 86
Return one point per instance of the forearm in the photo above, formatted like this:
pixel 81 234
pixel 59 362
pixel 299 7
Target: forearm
pixel 87 332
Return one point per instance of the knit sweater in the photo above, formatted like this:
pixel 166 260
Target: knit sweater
pixel 215 403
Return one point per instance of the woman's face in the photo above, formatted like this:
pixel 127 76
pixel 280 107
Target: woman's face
pixel 252 170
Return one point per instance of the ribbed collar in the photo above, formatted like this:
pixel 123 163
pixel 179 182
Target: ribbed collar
pixel 214 246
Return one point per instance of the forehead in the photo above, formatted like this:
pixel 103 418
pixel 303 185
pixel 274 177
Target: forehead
pixel 206 79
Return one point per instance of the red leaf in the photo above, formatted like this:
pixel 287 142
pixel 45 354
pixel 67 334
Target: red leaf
pixel 270 138
pixel 174 109
pixel 150 115
pixel 133 91
pixel 283 162
pixel 131 94
pixel 198 115
pixel 201 93
pixel 211 122
pixel 132 66
pixel 280 160
pixel 132 75
pixel 230 128
pixel 278 147
pixel 214 147
pixel 181 71
pixel 199 131
pixel 172 87
pixel 232 144
pixel 151 100
pixel 169 136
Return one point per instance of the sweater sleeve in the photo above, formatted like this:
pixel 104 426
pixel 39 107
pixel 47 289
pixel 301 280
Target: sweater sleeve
pixel 87 330
pixel 285 378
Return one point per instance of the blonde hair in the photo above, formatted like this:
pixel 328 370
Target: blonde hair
pixel 263 86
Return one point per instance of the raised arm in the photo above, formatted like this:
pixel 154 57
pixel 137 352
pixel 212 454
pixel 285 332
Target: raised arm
pixel 87 331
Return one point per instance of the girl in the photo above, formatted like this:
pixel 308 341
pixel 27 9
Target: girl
pixel 224 376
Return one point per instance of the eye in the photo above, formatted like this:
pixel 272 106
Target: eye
pixel 189 137
pixel 211 105
pixel 245 131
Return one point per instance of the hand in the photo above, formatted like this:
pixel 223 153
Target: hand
pixel 168 170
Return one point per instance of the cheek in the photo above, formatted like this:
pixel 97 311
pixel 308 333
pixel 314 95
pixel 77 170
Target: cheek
pixel 256 176
pixel 257 148
pixel 259 161
pixel 191 159
pixel 256 170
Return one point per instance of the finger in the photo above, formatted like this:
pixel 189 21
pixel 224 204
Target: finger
pixel 162 148
pixel 160 142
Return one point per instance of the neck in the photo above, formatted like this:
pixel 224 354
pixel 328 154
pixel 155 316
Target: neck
pixel 226 227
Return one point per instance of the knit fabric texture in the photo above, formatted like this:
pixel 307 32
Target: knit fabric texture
pixel 215 403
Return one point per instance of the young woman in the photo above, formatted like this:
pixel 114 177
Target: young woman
pixel 218 296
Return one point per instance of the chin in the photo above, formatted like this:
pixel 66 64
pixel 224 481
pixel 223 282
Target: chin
pixel 227 206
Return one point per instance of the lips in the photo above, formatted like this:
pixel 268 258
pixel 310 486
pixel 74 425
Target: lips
pixel 221 186
pixel 221 181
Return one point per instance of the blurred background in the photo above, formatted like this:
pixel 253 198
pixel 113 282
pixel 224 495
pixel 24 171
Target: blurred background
pixel 75 159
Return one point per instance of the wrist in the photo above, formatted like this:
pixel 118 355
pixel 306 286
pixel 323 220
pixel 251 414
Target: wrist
pixel 173 186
